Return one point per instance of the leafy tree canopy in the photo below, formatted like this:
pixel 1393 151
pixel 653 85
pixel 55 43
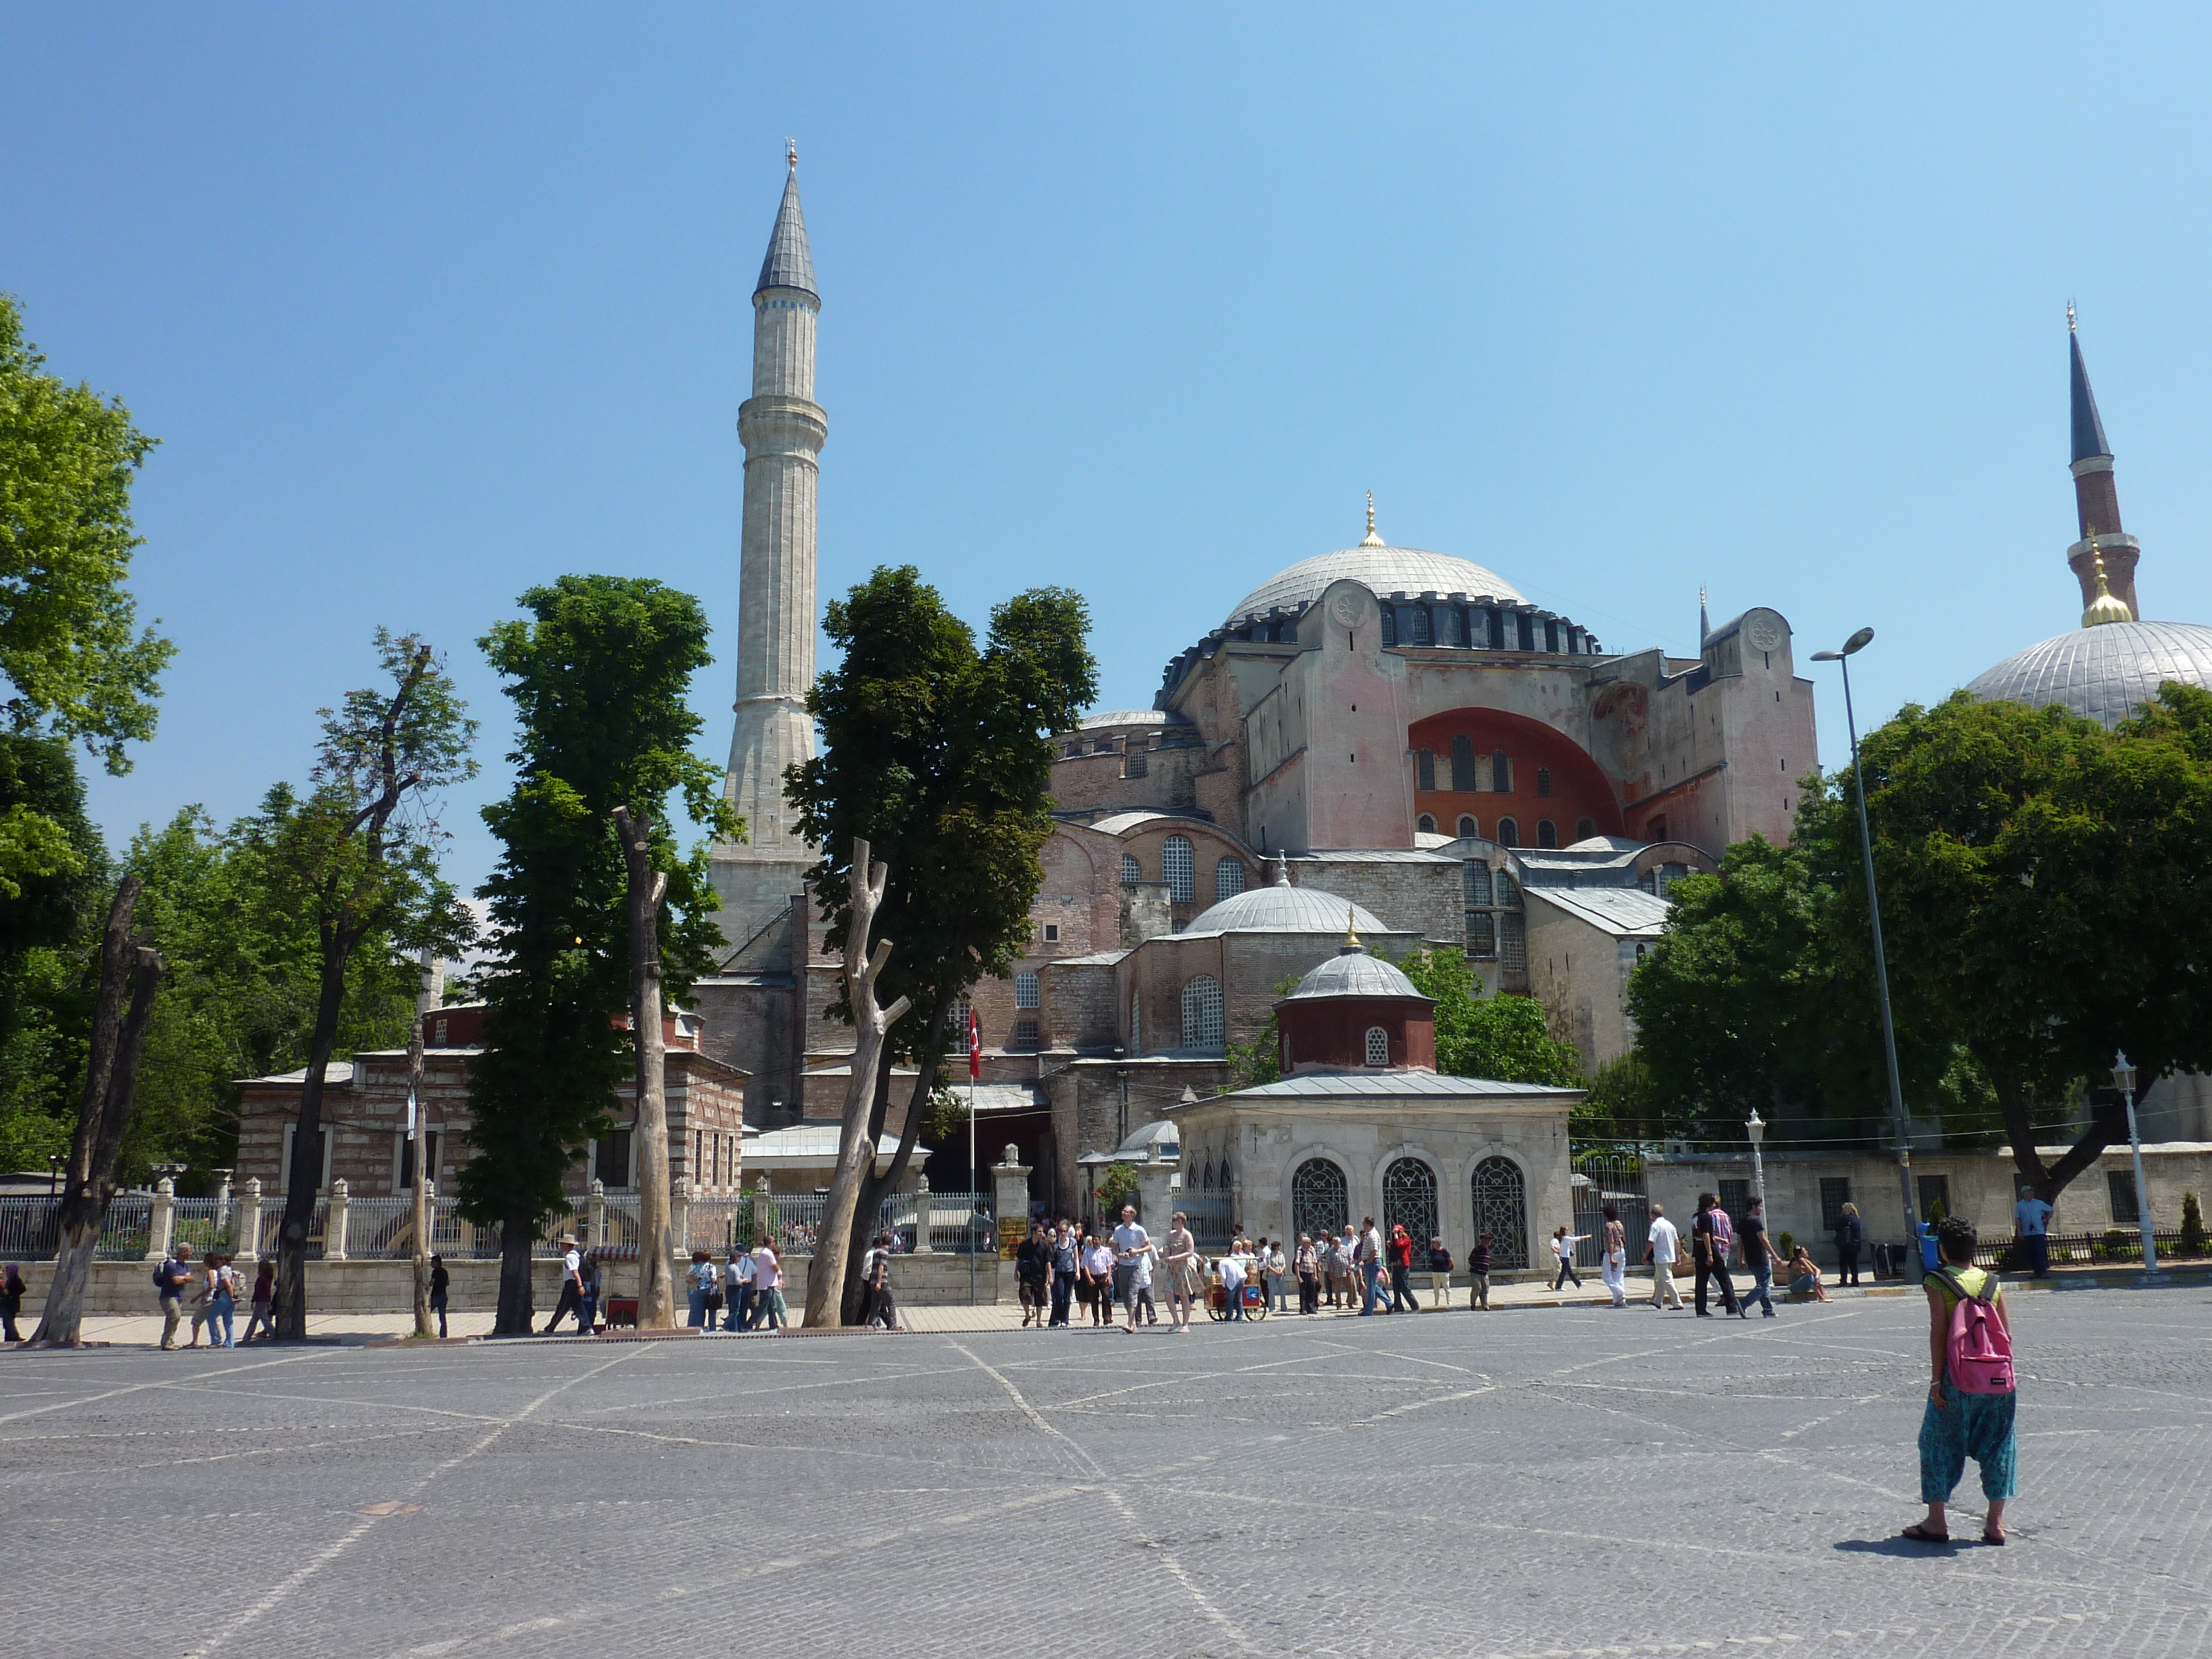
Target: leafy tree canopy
pixel 1505 1037
pixel 76 661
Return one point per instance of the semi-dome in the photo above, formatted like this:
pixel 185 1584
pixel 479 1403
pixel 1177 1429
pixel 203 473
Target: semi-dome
pixel 1354 973
pixel 2105 672
pixel 1282 910
pixel 1383 570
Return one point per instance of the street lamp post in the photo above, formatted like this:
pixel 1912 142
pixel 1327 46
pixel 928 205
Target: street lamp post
pixel 2124 1080
pixel 1757 1131
pixel 1857 642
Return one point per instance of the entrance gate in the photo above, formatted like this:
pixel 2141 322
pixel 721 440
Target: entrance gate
pixel 1603 1177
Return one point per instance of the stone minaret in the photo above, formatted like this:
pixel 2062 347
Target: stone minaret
pixel 782 429
pixel 2096 498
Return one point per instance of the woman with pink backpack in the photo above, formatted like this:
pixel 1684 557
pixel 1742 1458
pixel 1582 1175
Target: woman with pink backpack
pixel 1970 1399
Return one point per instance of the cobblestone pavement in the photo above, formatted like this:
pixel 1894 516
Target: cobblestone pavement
pixel 1575 1480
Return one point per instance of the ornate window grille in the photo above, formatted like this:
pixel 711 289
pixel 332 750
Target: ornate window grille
pixel 1378 1046
pixel 1501 1209
pixel 1409 1195
pixel 1228 879
pixel 1321 1202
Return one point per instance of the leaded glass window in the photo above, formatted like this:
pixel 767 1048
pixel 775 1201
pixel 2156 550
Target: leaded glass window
pixel 1468 827
pixel 1025 991
pixel 1131 875
pixel 1378 1046
pixel 1501 772
pixel 1475 875
pixel 1178 868
pixel 1463 764
pixel 1425 768
pixel 1228 879
pixel 1202 1013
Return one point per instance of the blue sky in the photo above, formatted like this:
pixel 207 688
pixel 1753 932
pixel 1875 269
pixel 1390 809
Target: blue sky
pixel 429 305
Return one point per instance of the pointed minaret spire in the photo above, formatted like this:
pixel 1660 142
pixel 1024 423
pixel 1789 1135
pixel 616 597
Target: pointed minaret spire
pixel 790 262
pixel 2096 499
pixel 1705 627
pixel 1372 539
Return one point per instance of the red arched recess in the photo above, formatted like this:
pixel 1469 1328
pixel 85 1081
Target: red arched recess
pixel 1579 790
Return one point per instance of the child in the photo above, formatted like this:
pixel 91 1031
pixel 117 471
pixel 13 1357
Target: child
pixel 1563 1246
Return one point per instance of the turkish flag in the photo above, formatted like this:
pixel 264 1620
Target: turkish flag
pixel 975 1047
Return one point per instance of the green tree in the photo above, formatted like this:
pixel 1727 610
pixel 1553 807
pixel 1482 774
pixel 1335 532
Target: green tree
pixel 940 755
pixel 76 663
pixel 1505 1037
pixel 358 859
pixel 598 675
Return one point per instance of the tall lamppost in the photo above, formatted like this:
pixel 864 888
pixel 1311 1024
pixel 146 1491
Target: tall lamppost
pixel 1856 643
pixel 2124 1080
pixel 1757 1131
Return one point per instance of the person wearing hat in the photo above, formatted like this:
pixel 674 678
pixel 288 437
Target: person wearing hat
pixel 572 1288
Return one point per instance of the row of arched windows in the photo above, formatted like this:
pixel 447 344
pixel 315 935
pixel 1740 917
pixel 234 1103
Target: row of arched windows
pixel 1203 1024
pixel 1508 830
pixel 1498 1193
pixel 1179 870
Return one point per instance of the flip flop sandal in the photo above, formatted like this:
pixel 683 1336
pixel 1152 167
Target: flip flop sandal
pixel 1919 1533
pixel 1996 1541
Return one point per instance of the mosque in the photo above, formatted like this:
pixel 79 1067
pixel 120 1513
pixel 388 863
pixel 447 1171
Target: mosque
pixel 1381 738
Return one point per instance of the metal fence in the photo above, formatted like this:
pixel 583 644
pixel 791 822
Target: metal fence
pixel 1614 1178
pixel 1211 1218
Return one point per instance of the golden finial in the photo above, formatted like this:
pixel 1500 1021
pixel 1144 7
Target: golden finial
pixel 1372 540
pixel 791 153
pixel 1351 929
pixel 2104 608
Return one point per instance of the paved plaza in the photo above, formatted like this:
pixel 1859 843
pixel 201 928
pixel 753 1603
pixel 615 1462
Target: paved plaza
pixel 1547 1481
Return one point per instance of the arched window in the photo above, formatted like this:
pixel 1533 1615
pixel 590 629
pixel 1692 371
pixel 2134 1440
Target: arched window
pixel 1425 768
pixel 1501 1209
pixel 1468 827
pixel 1025 991
pixel 1390 626
pixel 1206 1179
pixel 1585 828
pixel 1427 825
pixel 1228 879
pixel 1378 1046
pixel 1321 1201
pixel 958 1032
pixel 1547 833
pixel 1418 615
pixel 1508 833
pixel 1474 878
pixel 1131 875
pixel 1177 868
pixel 1544 780
pixel 1409 1195
pixel 1202 1013
pixel 1463 764
pixel 1136 1023
pixel 1501 772
pixel 1448 626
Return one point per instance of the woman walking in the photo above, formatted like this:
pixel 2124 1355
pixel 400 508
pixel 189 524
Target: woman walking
pixel 1563 1246
pixel 1956 1426
pixel 1849 1235
pixel 223 1301
pixel 1186 1282
pixel 262 1316
pixel 1616 1256
pixel 441 1292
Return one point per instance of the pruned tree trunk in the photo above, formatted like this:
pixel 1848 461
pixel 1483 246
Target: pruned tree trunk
pixel 875 1188
pixel 856 1147
pixel 656 1285
pixel 128 969
pixel 518 1245
pixel 303 1178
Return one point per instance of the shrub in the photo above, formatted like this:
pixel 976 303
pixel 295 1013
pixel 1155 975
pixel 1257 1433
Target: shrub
pixel 1786 1243
pixel 2192 1226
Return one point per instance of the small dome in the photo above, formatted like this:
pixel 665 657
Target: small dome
pixel 1284 910
pixel 2105 672
pixel 1381 570
pixel 1355 974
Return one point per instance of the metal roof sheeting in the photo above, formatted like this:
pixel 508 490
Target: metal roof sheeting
pixel 2106 673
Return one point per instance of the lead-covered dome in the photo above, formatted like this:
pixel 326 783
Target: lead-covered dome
pixel 1282 910
pixel 1383 570
pixel 2105 672
pixel 1353 973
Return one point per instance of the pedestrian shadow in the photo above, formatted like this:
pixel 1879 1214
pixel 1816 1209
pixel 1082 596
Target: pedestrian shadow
pixel 1911 1549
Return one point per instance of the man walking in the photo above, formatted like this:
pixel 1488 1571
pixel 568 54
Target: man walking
pixel 2032 1223
pixel 1760 1257
pixel 1477 1273
pixel 1662 1245
pixel 171 1279
pixel 1133 1262
pixel 1401 1271
pixel 1709 1236
pixel 1440 1272
pixel 1370 1266
pixel 572 1287
pixel 768 1307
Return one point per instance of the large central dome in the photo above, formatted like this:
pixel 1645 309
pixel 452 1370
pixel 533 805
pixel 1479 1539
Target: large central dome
pixel 1411 571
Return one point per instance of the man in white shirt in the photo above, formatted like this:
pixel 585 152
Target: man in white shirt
pixel 572 1288
pixel 2031 1220
pixel 1663 1243
pixel 767 1288
pixel 1370 1266
pixel 1231 1270
pixel 1133 1262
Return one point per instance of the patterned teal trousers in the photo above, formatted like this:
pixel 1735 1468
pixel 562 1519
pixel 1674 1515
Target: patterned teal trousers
pixel 1976 1425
